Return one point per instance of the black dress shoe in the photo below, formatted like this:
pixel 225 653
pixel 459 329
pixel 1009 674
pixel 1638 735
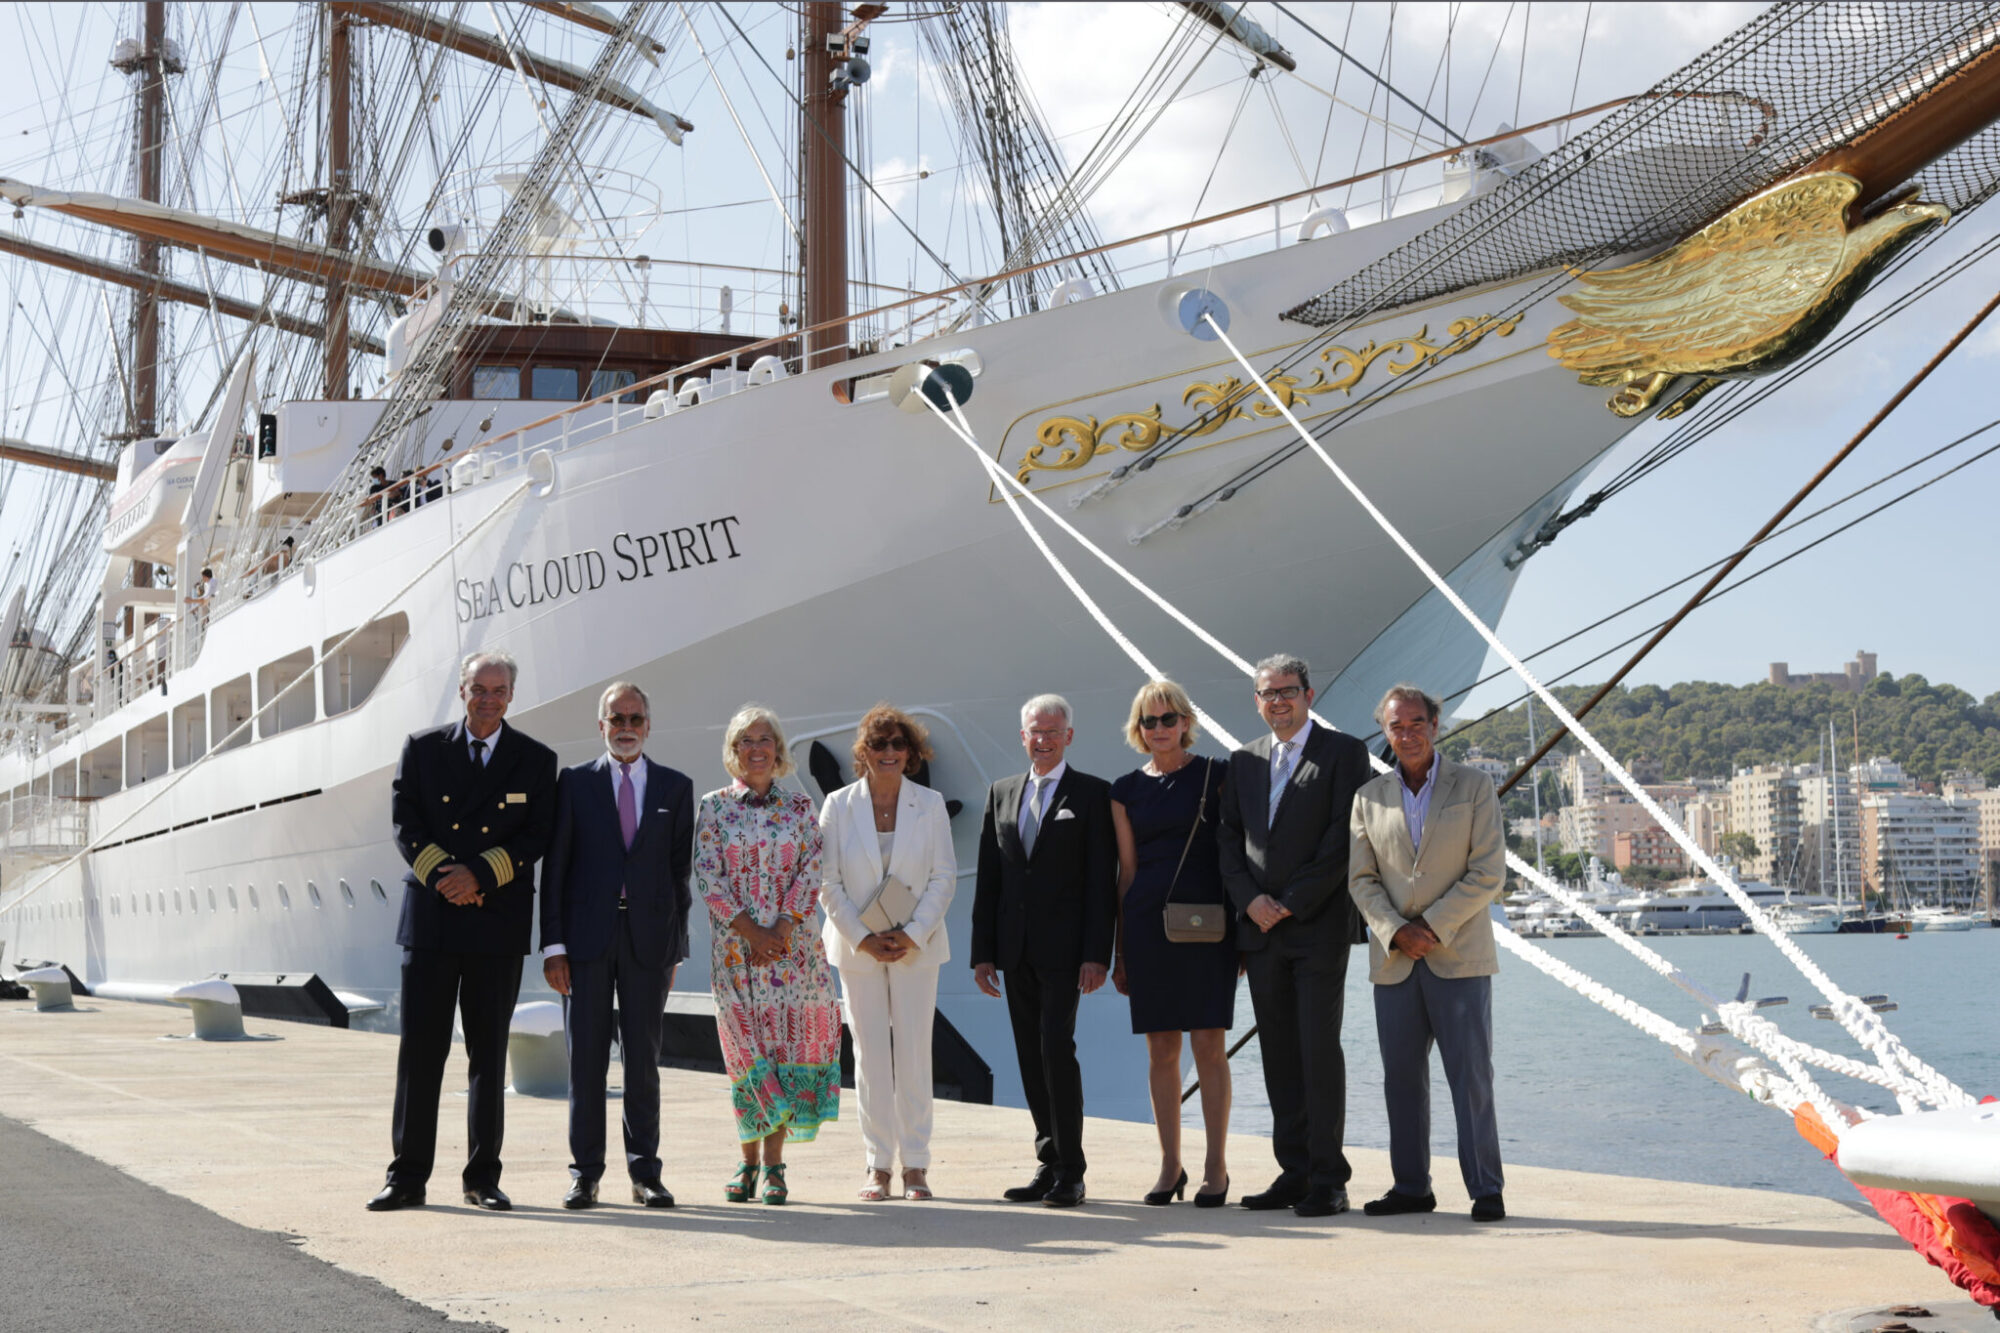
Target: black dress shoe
pixel 1161 1198
pixel 1395 1203
pixel 652 1194
pixel 393 1197
pixel 1322 1201
pixel 1035 1190
pixel 1064 1194
pixel 1488 1208
pixel 1215 1200
pixel 488 1197
pixel 582 1194
pixel 1282 1194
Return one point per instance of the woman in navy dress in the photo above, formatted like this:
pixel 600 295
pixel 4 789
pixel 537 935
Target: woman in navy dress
pixel 1174 988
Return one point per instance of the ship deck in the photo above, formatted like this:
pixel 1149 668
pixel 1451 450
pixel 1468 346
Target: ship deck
pixel 290 1136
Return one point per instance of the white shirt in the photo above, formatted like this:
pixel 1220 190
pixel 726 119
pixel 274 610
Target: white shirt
pixel 1290 758
pixel 482 757
pixel 1050 781
pixel 638 807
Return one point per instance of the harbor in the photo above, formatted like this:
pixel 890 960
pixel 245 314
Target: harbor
pixel 288 1136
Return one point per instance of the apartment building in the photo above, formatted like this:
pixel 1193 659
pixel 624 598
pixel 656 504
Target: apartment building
pixel 1921 849
pixel 1764 803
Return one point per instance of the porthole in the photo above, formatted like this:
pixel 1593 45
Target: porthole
pixel 132 903
pixel 346 894
pixel 251 891
pixel 284 898
pixel 211 898
pixel 147 899
pixel 312 892
pixel 177 902
pixel 162 897
pixel 230 889
pixel 381 894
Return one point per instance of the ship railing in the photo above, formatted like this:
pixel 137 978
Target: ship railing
pixel 31 824
pixel 938 312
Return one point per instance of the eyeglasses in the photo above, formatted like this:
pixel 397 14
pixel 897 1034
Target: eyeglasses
pixel 1276 693
pixel 1162 720
pixel 880 743
pixel 756 743
pixel 625 721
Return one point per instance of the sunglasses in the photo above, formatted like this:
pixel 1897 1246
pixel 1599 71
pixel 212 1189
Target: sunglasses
pixel 881 743
pixel 1159 720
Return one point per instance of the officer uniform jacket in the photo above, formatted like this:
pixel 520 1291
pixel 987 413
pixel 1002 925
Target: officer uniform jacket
pixel 495 819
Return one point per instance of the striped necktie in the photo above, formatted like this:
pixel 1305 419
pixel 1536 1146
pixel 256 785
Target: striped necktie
pixel 1280 779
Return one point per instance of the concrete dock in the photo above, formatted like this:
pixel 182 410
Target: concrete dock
pixel 290 1136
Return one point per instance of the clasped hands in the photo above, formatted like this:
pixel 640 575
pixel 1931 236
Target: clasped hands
pixel 888 946
pixel 767 944
pixel 1089 977
pixel 460 887
pixel 1267 912
pixel 1415 939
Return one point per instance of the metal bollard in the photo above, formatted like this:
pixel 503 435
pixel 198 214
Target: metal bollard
pixel 51 988
pixel 537 1052
pixel 217 1009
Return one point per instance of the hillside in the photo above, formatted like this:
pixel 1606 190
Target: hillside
pixel 1701 729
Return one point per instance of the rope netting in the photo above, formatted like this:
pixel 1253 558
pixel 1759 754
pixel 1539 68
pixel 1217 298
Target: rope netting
pixel 1796 82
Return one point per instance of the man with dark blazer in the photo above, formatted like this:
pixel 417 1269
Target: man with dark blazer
pixel 473 805
pixel 1043 912
pixel 1282 841
pixel 615 907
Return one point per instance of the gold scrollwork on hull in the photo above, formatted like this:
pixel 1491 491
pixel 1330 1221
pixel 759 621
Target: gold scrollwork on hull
pixel 1066 443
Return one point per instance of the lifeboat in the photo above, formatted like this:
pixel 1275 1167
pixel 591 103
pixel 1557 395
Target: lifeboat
pixel 149 504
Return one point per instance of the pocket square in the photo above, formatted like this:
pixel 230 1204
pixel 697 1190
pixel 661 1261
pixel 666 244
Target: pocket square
pixel 1061 815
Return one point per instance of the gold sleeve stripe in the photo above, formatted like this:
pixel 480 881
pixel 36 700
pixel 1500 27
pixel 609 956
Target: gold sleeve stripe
pixel 429 859
pixel 503 864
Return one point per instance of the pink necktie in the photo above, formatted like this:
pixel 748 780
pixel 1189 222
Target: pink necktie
pixel 628 806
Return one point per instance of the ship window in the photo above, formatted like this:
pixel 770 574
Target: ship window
pixel 177 902
pixel 230 889
pixel 250 891
pixel 104 769
pixel 553 383
pixel 380 895
pixel 63 782
pixel 211 898
pixel 349 676
pixel 114 907
pixel 190 727
pixel 610 381
pixel 228 709
pixel 312 892
pixel 284 899
pixel 163 902
pixel 496 381
pixel 346 894
pixel 146 751
pixel 282 711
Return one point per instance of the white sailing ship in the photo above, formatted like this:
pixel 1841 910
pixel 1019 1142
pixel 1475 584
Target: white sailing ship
pixel 200 786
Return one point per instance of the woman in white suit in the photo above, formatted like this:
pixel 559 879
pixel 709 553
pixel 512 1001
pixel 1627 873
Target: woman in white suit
pixel 879 826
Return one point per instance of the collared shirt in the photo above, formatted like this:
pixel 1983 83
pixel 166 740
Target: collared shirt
pixel 1050 781
pixel 482 756
pixel 1417 804
pixel 638 804
pixel 1290 758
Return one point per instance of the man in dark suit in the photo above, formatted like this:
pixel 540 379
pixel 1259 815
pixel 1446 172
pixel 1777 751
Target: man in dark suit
pixel 1043 912
pixel 615 909
pixel 473 804
pixel 1282 840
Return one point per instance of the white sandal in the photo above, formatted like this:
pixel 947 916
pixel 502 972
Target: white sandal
pixel 920 1189
pixel 877 1188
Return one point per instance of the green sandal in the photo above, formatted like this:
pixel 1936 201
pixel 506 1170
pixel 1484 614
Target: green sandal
pixel 774 1184
pixel 744 1187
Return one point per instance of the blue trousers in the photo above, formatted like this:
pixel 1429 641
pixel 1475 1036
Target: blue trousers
pixel 1457 1015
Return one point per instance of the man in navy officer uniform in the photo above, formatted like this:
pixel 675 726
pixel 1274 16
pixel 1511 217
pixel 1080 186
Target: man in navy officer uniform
pixel 474 807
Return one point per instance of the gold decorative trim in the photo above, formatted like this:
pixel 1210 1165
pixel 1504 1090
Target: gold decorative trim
pixel 503 865
pixel 1066 443
pixel 428 860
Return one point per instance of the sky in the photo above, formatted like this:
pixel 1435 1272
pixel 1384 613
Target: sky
pixel 1909 585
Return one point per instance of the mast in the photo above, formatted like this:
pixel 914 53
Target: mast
pixel 339 193
pixel 824 62
pixel 146 306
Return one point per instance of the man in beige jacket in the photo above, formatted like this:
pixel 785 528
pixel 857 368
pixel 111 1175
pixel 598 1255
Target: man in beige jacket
pixel 1427 859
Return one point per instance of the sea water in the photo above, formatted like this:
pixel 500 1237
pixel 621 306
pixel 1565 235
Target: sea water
pixel 1576 1087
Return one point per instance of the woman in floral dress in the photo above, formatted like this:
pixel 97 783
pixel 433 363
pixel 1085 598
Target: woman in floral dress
pixel 757 865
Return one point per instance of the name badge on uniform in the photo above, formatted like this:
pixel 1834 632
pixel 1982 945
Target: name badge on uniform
pixel 517 798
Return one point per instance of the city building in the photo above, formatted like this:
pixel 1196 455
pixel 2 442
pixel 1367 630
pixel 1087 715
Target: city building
pixel 1918 849
pixel 1495 768
pixel 1764 803
pixel 1829 836
pixel 1583 777
pixel 1880 774
pixel 1592 828
pixel 1649 848
pixel 1851 679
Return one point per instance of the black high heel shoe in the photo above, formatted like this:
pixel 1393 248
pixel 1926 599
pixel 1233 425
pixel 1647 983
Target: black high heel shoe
pixel 1160 1198
pixel 1215 1200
